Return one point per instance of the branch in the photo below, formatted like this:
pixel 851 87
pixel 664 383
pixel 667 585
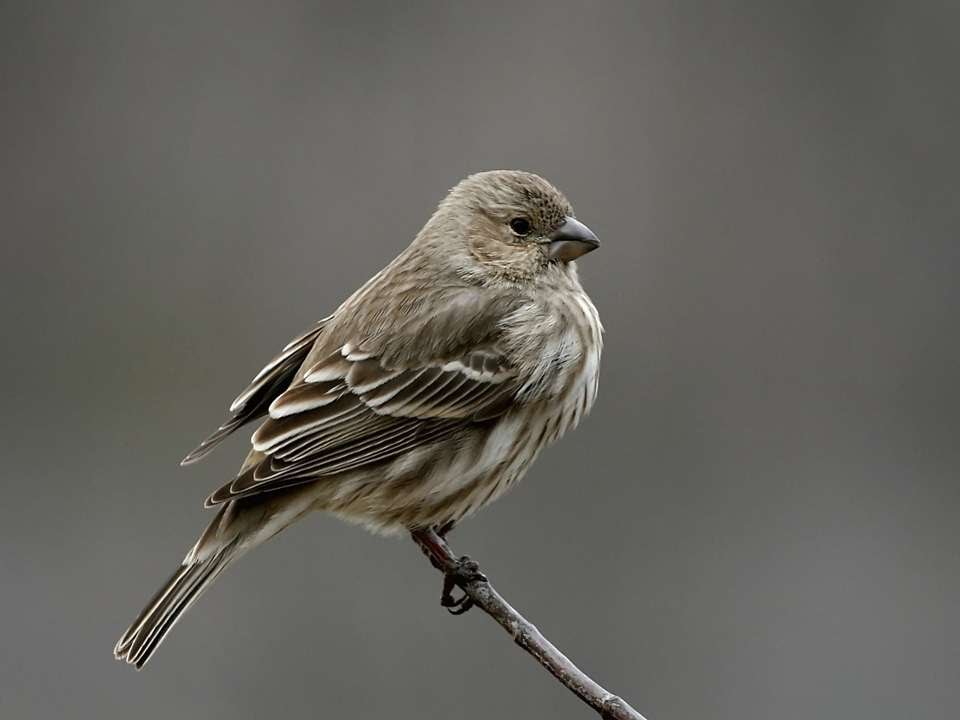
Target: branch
pixel 482 594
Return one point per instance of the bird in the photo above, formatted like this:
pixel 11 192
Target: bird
pixel 422 398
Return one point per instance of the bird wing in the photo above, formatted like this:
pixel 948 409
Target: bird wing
pixel 350 410
pixel 269 383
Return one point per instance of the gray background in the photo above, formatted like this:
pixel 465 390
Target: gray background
pixel 759 520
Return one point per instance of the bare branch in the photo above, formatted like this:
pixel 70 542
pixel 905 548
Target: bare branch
pixel 482 594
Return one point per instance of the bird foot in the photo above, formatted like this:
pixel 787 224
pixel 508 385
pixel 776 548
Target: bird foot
pixel 465 571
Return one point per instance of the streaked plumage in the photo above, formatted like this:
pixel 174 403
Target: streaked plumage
pixel 424 397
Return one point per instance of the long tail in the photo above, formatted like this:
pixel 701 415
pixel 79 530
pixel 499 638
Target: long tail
pixel 172 600
pixel 239 526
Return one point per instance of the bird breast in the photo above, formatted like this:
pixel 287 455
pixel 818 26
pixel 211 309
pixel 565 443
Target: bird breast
pixel 577 363
pixel 557 346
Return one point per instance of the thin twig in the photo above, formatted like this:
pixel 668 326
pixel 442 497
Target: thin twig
pixel 523 632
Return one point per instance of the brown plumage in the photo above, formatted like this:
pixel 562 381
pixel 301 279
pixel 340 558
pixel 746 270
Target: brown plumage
pixel 425 396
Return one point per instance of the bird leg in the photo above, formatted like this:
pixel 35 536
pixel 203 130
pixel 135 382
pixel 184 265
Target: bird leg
pixel 466 570
pixel 456 571
pixel 434 547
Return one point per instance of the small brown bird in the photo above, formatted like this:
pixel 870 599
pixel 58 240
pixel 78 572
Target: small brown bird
pixel 425 396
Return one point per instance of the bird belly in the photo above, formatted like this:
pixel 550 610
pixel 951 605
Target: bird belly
pixel 435 484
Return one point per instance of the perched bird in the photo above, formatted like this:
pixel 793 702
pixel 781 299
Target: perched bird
pixel 425 396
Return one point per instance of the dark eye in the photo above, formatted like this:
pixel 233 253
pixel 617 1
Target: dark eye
pixel 520 226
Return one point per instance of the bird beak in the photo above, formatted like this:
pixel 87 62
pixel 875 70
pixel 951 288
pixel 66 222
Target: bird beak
pixel 570 241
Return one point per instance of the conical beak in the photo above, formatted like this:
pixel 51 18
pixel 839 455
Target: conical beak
pixel 570 241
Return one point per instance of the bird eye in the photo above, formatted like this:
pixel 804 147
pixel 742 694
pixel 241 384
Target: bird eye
pixel 520 226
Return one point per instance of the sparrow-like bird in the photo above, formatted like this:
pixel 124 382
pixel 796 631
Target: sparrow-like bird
pixel 425 396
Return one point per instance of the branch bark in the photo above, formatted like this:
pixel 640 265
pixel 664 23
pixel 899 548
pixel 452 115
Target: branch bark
pixel 482 594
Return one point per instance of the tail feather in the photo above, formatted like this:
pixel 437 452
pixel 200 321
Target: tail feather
pixel 239 526
pixel 183 588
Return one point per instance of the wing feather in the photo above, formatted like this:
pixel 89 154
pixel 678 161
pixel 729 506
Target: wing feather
pixel 268 384
pixel 350 411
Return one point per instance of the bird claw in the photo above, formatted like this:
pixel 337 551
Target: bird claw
pixel 466 570
pixel 456 606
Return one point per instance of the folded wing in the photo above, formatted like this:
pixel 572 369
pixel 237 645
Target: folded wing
pixel 350 411
pixel 269 383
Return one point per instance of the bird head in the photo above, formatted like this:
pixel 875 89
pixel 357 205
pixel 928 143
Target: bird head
pixel 508 225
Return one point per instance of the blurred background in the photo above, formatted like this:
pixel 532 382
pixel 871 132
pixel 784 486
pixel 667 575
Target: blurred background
pixel 760 518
